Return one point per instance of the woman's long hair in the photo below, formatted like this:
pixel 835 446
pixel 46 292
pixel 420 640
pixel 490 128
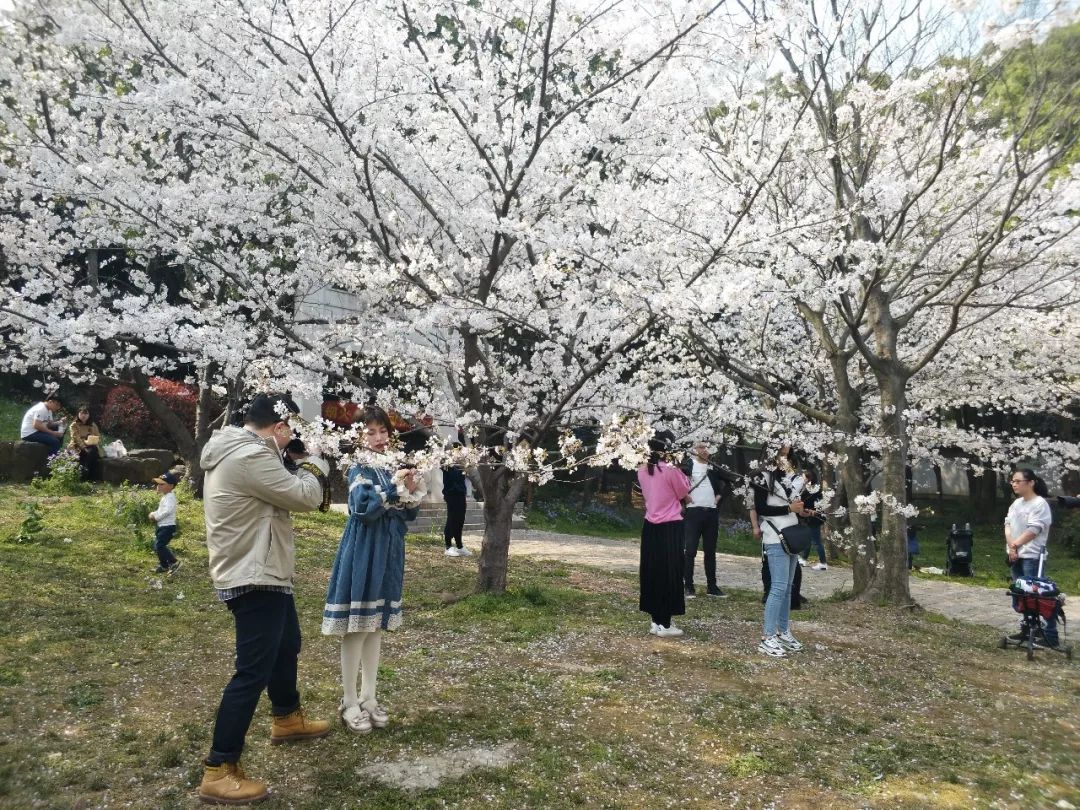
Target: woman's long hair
pixel 1040 486
pixel 659 444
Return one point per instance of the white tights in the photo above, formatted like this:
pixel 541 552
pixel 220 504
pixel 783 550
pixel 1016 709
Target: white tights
pixel 360 656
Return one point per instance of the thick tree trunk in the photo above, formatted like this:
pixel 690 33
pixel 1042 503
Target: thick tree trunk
pixel 862 549
pixel 501 493
pixel 890 585
pixel 174 426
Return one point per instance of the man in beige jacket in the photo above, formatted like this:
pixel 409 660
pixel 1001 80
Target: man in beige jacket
pixel 247 497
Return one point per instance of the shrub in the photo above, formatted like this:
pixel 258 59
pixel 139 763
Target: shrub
pixel 65 476
pixel 131 508
pixel 127 417
pixel 31 529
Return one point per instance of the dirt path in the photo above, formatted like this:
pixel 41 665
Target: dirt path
pixel 977 605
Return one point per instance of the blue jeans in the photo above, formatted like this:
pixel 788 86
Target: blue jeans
pixel 162 536
pixel 1027 568
pixel 267 649
pixel 47 439
pixel 778 603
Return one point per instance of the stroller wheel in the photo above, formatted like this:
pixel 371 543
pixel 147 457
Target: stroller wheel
pixel 1031 647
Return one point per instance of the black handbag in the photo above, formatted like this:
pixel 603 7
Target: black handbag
pixel 794 539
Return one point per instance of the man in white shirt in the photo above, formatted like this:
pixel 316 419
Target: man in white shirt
pixel 702 518
pixel 38 424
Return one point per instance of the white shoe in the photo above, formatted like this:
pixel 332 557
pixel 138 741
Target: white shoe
pixel 772 648
pixel 653 628
pixel 464 552
pixel 451 552
pixel 803 562
pixel 378 715
pixel 789 642
pixel 355 719
pixel 668 632
pixel 820 567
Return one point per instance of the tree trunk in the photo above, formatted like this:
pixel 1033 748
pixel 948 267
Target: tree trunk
pixel 203 427
pixel 174 426
pixel 890 585
pixel 501 493
pixel 862 550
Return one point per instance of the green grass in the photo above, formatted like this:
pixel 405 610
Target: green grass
pixel 108 686
pixel 11 414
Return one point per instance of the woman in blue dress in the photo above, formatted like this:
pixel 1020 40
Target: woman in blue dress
pixel 364 596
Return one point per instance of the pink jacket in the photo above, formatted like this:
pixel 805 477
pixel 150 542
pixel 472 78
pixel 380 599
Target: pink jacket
pixel 663 491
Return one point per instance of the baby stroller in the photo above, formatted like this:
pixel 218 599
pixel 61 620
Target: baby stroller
pixel 1037 598
pixel 958 552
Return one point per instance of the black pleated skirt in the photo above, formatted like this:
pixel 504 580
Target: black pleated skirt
pixel 661 570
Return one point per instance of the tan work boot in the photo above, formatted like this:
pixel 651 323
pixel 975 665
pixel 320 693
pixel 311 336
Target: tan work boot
pixel 226 784
pixel 296 726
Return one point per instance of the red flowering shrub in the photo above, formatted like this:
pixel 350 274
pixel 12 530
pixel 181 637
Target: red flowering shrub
pixel 126 417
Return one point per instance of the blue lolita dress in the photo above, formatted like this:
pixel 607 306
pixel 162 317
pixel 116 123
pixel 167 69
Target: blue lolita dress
pixel 365 584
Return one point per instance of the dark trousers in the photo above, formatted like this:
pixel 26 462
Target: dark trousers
pixel 704 524
pixel 455 518
pixel 47 439
pixel 162 536
pixel 90 463
pixel 267 649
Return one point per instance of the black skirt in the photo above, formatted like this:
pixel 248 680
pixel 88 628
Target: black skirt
pixel 661 571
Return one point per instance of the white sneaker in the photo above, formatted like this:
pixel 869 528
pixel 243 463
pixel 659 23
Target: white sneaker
pixel 803 562
pixel 668 632
pixel 772 648
pixel 451 552
pixel 789 642
pixel 653 628
pixel 464 552
pixel 820 567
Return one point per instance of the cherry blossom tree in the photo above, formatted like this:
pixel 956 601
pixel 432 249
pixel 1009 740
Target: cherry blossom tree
pixel 471 176
pixel 909 255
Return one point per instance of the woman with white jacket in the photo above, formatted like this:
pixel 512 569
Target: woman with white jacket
pixel 777 504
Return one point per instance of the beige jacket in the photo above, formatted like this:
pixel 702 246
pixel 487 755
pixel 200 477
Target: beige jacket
pixel 247 497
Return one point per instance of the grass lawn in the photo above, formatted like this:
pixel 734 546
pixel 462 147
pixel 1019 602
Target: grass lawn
pixel 11 414
pixel 551 696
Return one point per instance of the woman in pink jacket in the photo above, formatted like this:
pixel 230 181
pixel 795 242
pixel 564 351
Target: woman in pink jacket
pixel 663 486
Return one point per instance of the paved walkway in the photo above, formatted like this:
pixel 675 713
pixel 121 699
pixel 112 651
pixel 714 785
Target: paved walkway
pixel 976 605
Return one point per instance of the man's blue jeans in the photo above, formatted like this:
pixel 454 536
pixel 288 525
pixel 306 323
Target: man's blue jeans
pixel 1027 567
pixel 778 604
pixel 47 439
pixel 267 649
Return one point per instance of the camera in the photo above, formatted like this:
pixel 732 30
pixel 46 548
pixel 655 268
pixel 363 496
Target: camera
pixel 1068 502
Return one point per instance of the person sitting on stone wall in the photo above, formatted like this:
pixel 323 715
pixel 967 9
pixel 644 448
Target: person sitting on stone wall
pixel 85 440
pixel 38 424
